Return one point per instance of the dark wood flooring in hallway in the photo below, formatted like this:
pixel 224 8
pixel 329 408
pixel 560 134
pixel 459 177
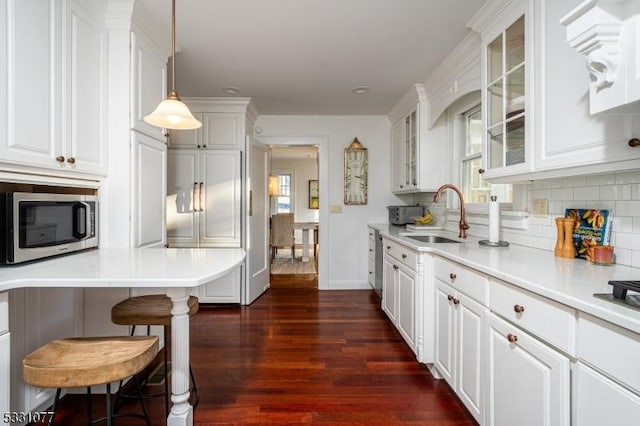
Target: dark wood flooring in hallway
pixel 302 356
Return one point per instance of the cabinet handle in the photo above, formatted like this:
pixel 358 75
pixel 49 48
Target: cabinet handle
pixel 456 301
pixel 481 171
pixel 404 256
pixel 401 186
pixel 634 142
pixel 453 276
pixel 395 266
pixel 200 197
pixel 449 297
pixel 195 188
pixel 60 159
pixel 512 338
pixel 388 247
pixel 518 309
pixel 198 146
pixel 166 245
pixel 204 146
pixel 370 250
pixel 71 160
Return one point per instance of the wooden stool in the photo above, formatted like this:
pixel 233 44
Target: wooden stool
pixel 89 361
pixel 154 309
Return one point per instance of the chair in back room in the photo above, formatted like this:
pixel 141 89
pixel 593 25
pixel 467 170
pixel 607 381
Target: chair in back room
pixel 282 233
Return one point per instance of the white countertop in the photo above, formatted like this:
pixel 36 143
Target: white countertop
pixel 125 267
pixel 568 281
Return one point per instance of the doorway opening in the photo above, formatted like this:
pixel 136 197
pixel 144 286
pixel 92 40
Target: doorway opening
pixel 294 215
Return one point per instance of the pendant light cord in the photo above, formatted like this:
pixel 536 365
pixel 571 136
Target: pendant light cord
pixel 173 46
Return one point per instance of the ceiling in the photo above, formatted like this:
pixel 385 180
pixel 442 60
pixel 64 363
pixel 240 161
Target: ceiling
pixel 294 152
pixel 304 57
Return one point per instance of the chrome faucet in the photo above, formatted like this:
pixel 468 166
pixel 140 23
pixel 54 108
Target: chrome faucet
pixel 463 223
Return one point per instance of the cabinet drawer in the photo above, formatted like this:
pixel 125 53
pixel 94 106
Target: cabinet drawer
pixel 401 253
pixel 545 318
pixel 610 348
pixel 4 312
pixel 468 281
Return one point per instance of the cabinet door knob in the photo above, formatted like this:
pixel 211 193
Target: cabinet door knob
pixel 449 297
pixel 481 171
pixel 71 160
pixel 395 266
pixel 388 247
pixel 634 142
pixel 204 146
pixel 512 338
pixel 453 276
pixel 456 301
pixel 518 309
pixel 370 250
pixel 60 159
pixel 404 256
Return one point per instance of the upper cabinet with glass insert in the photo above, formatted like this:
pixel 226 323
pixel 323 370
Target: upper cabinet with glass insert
pixel 506 62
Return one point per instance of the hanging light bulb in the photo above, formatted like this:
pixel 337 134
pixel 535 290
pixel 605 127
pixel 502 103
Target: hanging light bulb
pixel 172 113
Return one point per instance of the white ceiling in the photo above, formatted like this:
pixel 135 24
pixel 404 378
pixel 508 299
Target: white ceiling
pixel 303 57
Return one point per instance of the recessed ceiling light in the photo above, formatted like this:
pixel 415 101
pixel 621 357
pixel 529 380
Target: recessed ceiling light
pixel 231 90
pixel 360 90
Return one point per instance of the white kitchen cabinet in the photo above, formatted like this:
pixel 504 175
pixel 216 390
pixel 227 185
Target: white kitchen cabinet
pixel 417 157
pixel 54 81
pixel 203 198
pixel 459 345
pixel 507 83
pixel 220 130
pixel 149 181
pixel 372 259
pixel 402 293
pixel 601 401
pixel 148 83
pixel 528 383
pixel 225 289
pixel 5 353
pixel 606 34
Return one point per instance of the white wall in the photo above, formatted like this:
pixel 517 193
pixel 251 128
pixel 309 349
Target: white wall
pixel 347 231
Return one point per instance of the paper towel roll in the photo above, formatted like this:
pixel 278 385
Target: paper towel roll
pixel 494 220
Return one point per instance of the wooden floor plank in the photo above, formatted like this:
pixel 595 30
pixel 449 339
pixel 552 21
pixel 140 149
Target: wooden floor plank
pixel 302 356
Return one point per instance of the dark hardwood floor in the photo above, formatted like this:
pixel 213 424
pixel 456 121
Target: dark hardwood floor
pixel 302 356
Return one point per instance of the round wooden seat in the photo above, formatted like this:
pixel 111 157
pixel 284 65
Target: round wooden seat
pixel 88 361
pixel 154 309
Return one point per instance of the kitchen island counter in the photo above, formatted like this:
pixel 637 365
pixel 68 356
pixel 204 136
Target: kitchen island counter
pixel 176 269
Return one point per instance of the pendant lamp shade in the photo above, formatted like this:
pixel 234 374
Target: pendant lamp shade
pixel 172 113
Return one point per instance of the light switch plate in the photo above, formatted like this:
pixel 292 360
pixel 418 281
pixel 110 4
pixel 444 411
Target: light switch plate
pixel 540 207
pixel 335 208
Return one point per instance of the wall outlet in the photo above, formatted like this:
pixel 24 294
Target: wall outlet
pixel 540 207
pixel 335 208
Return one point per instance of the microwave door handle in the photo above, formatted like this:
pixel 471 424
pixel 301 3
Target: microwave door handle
pixel 80 220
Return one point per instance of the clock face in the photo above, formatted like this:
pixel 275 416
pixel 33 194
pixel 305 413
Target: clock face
pixel 355 177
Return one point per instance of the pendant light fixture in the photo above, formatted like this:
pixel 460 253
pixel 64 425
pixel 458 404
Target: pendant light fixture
pixel 172 113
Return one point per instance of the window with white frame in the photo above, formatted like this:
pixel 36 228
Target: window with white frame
pixel 474 188
pixel 284 199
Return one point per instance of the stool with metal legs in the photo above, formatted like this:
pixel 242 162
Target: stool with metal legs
pixel 154 309
pixel 90 361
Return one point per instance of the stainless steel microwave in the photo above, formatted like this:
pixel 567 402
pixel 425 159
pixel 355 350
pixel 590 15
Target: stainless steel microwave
pixel 40 225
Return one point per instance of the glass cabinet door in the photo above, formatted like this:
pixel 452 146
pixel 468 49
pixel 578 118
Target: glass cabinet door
pixel 411 127
pixel 505 97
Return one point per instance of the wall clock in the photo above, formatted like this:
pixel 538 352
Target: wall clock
pixel 355 174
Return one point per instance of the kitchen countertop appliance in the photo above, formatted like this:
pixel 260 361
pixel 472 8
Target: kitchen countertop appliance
pixel 621 295
pixel 401 215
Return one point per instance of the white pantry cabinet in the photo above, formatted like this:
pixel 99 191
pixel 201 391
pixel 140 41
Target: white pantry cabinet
pixel 54 85
pixel 220 130
pixel 203 198
pixel 607 34
pixel 527 382
pixel 417 157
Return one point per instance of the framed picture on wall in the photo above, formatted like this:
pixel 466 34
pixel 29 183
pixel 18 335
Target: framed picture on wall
pixel 314 202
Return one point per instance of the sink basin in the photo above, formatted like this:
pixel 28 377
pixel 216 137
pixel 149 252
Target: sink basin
pixel 431 239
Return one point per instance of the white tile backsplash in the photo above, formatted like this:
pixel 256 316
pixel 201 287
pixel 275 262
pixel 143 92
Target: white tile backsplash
pixel 617 192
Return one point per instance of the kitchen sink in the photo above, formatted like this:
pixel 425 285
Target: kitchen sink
pixel 431 239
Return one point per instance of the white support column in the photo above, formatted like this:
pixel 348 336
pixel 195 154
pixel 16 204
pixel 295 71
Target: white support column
pixel 181 412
